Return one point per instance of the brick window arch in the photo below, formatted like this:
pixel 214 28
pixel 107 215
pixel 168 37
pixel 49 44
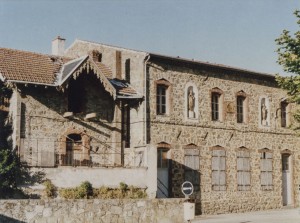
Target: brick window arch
pixel 74 148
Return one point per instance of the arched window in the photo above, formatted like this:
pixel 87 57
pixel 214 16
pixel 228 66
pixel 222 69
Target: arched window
pixel 74 149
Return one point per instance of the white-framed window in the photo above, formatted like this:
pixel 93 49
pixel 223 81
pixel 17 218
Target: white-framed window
pixel 243 169
pixel 218 167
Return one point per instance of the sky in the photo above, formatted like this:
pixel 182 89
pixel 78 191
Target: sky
pixel 238 33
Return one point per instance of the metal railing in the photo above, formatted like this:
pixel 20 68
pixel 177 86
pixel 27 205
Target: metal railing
pixel 46 153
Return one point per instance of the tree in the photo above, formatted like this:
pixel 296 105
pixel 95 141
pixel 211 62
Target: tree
pixel 9 169
pixel 289 58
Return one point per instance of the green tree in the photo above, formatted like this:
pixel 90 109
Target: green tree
pixel 289 58
pixel 9 169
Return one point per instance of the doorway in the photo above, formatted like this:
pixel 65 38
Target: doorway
pixel 286 179
pixel 162 173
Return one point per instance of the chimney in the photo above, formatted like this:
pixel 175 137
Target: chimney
pixel 118 64
pixel 58 46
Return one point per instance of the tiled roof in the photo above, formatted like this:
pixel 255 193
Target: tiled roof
pixel 123 88
pixel 16 65
pixel 104 69
pixel 28 67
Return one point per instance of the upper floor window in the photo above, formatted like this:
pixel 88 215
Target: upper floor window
pixel 162 97
pixel 284 106
pixel 240 109
pixel 216 105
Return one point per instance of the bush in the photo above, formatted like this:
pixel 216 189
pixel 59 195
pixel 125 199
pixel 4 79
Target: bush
pixel 85 190
pixel 50 189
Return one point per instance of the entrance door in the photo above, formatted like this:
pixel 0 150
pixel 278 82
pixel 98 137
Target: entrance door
pixel 286 180
pixel 162 173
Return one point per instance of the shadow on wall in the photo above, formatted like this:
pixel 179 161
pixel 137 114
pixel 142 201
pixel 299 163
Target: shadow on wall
pixel 180 173
pixel 6 219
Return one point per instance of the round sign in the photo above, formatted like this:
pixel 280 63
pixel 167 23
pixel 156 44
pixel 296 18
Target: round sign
pixel 187 188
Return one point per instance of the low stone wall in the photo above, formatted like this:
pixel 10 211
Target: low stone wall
pixel 92 211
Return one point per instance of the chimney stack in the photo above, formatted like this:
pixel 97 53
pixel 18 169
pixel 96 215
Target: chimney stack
pixel 58 46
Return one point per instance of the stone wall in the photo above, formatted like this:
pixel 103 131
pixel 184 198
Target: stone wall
pixel 136 74
pixel 108 211
pixel 179 131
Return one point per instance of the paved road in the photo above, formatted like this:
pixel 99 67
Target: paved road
pixel 271 216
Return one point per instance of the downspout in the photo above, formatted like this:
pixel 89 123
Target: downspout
pixel 147 58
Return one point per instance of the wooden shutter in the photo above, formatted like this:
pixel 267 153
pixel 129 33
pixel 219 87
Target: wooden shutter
pixel 191 167
pixel 266 177
pixel 218 170
pixel 243 170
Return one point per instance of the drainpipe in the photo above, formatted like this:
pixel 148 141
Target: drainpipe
pixel 147 58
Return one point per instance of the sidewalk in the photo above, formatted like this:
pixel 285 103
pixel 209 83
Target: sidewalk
pixel 270 216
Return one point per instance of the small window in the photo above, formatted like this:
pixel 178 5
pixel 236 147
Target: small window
pixel 284 113
pixel 266 170
pixel 215 106
pixel 243 170
pixel 285 162
pixel 240 110
pixel 218 164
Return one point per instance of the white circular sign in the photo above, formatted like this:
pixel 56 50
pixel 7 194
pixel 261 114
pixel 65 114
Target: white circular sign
pixel 187 188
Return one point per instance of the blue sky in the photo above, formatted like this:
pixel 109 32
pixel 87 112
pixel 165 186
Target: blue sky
pixel 237 33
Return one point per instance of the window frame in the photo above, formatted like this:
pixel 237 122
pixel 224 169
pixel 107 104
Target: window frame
pixel 217 111
pixel 284 114
pixel 166 85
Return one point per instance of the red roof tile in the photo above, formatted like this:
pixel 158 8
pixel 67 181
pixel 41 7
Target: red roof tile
pixel 19 65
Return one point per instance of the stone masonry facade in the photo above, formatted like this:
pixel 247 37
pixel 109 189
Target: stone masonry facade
pixel 178 131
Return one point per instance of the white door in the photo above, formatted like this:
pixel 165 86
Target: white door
pixel 162 173
pixel 286 180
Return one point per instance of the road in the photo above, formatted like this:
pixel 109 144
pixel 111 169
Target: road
pixel 270 216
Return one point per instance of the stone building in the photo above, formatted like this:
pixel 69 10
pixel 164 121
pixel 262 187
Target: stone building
pixel 155 121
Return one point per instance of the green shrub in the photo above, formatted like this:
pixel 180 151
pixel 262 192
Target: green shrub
pixel 50 189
